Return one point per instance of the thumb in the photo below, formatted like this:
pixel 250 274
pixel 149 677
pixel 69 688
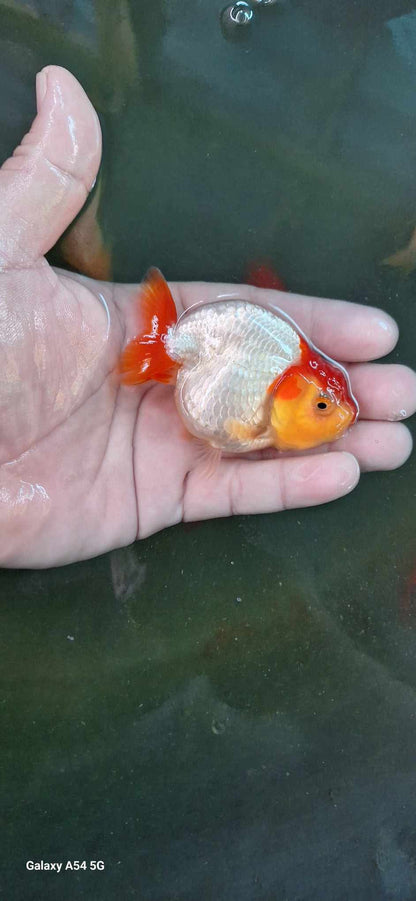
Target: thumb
pixel 46 181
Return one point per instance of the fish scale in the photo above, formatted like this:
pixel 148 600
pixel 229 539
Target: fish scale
pixel 230 352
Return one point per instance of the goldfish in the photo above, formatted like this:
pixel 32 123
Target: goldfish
pixel 245 375
pixel 263 275
pixel 83 246
pixel 407 601
pixel 404 259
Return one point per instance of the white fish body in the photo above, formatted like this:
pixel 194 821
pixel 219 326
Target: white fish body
pixel 230 353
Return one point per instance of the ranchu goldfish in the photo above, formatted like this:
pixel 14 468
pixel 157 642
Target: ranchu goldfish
pixel 245 375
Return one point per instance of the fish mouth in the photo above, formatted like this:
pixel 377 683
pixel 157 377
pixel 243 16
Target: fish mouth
pixel 348 416
pixel 352 410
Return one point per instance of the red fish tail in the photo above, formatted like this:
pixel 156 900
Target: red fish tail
pixel 145 357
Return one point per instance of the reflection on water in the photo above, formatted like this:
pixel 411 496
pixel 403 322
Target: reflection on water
pixel 228 709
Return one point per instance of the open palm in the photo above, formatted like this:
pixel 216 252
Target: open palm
pixel 87 465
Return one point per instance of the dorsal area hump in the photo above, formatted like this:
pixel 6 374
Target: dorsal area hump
pixel 249 334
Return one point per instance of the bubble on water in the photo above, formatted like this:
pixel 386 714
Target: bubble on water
pixel 241 13
pixel 217 727
pixel 235 19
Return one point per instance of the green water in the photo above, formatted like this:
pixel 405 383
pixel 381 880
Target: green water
pixel 228 710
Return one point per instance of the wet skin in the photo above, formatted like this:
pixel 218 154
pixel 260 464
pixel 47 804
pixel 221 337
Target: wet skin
pixel 87 465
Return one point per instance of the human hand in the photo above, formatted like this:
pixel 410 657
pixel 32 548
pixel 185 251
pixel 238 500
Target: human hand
pixel 87 465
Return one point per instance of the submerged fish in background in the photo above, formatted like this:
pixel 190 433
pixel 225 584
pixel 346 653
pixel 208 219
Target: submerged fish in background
pixel 83 246
pixel 407 599
pixel 404 259
pixel 262 275
pixel 246 377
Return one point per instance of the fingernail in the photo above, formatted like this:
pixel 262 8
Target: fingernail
pixel 41 86
pixel 349 472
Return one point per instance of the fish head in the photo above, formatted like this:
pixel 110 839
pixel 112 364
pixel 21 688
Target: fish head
pixel 312 405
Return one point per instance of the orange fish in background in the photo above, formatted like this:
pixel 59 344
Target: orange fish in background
pixel 404 259
pixel 83 246
pixel 226 637
pixel 245 376
pixel 407 600
pixel 262 275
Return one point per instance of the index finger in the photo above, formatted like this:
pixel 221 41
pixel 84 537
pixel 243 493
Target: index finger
pixel 347 331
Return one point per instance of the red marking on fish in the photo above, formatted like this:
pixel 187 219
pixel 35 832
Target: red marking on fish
pixel 330 377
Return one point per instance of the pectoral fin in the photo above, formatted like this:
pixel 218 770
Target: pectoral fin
pixel 242 431
pixel 254 437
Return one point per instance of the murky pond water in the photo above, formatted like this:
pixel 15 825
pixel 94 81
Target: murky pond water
pixel 228 710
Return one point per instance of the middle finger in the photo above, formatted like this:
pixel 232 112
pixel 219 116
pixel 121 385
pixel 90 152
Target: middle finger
pixel 384 391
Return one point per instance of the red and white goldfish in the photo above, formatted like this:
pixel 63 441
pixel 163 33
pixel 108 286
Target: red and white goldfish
pixel 245 376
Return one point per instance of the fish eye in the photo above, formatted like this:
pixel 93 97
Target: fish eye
pixel 324 403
